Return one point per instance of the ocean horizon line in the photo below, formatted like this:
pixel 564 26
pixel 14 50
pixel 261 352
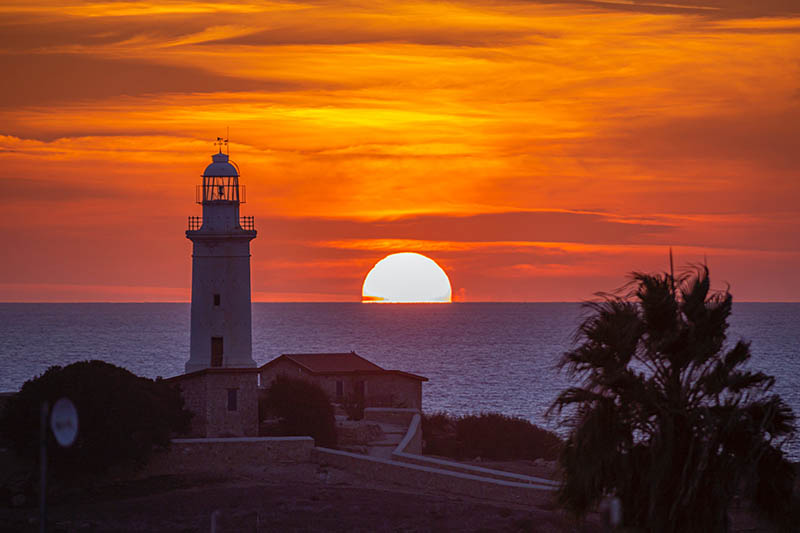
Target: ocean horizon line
pixel 141 302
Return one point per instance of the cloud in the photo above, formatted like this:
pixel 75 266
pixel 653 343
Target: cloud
pixel 764 137
pixel 22 189
pixel 43 79
pixel 545 226
pixel 69 293
pixel 742 8
pixel 710 8
pixel 56 32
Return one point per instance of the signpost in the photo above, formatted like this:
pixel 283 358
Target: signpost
pixel 64 422
pixel 64 425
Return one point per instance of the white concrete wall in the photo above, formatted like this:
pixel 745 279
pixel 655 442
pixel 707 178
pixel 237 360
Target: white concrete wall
pixel 221 217
pixel 412 441
pixel 221 265
pixel 430 477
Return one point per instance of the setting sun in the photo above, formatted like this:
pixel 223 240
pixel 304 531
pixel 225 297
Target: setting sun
pixel 406 278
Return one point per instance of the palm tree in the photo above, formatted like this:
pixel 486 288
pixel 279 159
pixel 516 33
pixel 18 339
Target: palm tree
pixel 666 418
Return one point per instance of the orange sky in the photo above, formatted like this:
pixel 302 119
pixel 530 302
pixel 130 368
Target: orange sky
pixel 538 151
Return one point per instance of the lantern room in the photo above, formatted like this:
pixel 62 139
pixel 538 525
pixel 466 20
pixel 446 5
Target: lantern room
pixel 220 182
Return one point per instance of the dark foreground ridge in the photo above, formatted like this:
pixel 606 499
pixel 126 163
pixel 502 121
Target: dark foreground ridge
pixel 302 497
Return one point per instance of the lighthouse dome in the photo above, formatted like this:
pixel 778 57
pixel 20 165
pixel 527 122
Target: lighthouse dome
pixel 220 167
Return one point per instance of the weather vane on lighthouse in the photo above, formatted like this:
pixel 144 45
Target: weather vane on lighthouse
pixel 222 142
pixel 221 323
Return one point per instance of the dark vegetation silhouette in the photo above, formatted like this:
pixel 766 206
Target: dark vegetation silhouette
pixel 122 417
pixel 488 436
pixel 668 417
pixel 353 404
pixel 302 409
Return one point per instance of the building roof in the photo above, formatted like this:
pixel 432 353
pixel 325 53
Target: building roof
pixel 220 167
pixel 338 363
pixel 332 362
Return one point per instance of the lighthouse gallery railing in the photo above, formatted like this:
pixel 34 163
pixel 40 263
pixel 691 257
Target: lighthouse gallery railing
pixel 245 223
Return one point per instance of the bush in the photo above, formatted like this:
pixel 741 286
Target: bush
pixel 489 436
pixel 353 405
pixel 121 416
pixel 303 409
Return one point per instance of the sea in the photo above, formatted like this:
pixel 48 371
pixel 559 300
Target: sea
pixel 478 357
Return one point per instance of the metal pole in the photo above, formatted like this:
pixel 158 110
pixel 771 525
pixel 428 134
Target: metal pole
pixel 43 466
pixel 214 520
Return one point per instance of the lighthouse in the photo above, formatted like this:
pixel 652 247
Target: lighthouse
pixel 221 324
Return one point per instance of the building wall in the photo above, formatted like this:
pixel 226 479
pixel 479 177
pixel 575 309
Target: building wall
pixel 400 391
pixel 328 384
pixel 291 370
pixel 222 422
pixel 206 396
pixel 221 265
pixel 381 390
pixel 282 367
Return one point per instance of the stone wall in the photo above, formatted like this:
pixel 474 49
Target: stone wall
pixel 223 422
pixel 229 455
pixel 206 395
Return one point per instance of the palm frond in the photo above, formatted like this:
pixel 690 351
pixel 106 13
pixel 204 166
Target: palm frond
pixel 665 418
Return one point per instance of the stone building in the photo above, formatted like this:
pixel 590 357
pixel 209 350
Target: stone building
pixel 223 401
pixel 343 375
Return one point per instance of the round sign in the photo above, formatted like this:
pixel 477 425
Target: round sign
pixel 64 422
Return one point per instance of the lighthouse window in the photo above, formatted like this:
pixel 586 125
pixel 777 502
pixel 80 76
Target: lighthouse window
pixel 216 351
pixel 233 399
pixel 216 299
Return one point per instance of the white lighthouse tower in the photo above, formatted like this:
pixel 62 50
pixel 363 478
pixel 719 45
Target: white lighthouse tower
pixel 221 331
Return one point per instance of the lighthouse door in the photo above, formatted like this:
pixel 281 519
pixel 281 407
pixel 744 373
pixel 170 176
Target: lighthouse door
pixel 216 351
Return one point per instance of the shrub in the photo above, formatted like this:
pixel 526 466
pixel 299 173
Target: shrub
pixel 353 405
pixel 121 416
pixel 489 436
pixel 303 409
pixel 439 436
